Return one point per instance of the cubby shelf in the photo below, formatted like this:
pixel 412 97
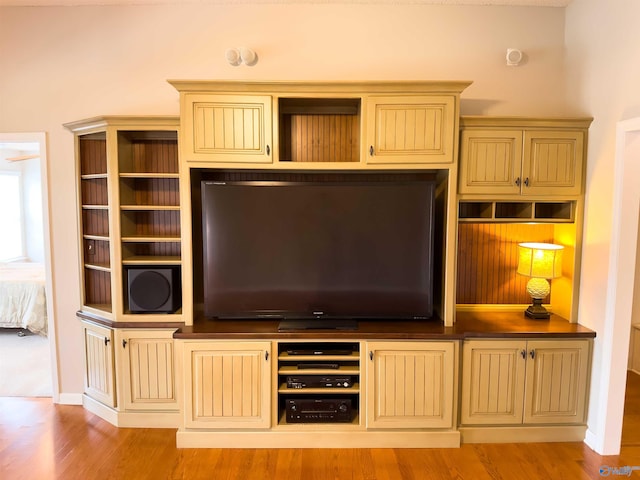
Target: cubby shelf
pixel 516 211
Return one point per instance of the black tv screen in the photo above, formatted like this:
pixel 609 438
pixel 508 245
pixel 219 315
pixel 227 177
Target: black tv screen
pixel 309 250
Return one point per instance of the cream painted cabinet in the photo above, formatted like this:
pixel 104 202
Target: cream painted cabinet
pixel 524 382
pixel 410 384
pixel 504 156
pixel 99 378
pixel 227 128
pixel 411 129
pixel 634 354
pixel 146 366
pixel 227 384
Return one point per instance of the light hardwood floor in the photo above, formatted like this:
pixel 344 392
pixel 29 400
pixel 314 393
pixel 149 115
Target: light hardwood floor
pixel 42 441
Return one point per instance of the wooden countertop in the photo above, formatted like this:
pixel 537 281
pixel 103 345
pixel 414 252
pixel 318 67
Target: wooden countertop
pixel 468 325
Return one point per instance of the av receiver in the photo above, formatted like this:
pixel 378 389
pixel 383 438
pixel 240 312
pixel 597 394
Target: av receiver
pixel 319 381
pixel 314 410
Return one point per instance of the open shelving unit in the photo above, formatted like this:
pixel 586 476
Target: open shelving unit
pixel 94 221
pixel 295 369
pixel 129 190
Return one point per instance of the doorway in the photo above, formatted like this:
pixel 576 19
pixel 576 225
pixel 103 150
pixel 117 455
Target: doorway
pixel 31 150
pixel 620 303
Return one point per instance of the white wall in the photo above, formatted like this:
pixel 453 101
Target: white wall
pixel 70 63
pixel 603 73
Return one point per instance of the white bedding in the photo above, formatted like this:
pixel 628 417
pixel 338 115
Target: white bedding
pixel 22 297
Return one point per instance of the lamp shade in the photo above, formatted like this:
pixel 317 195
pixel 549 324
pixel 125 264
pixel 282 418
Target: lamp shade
pixel 540 260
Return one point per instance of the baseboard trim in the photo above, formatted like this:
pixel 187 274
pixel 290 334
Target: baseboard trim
pixel 317 439
pixel 69 399
pixel 523 434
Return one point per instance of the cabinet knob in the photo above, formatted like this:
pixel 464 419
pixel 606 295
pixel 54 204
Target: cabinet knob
pixel 526 182
pixel 371 355
pixel 268 150
pixel 124 343
pixel 532 353
pixel 523 353
pixel 106 341
pixel 518 182
pixel 266 355
pixel 371 150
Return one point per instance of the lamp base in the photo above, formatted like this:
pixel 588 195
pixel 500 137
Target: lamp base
pixel 537 311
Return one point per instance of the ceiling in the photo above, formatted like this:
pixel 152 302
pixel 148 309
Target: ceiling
pixel 535 3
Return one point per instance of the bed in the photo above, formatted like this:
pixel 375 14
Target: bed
pixel 22 297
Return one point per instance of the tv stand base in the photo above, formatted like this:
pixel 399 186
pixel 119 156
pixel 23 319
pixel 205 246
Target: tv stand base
pixel 317 439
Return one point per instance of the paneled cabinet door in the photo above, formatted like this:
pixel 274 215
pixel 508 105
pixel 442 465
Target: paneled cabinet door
pixel 227 128
pixel 552 163
pixel 147 369
pixel 493 376
pixel 410 384
pixel 99 378
pixel 521 162
pixel 227 384
pixel 410 129
pixel 490 162
pixel 524 382
pixel 556 378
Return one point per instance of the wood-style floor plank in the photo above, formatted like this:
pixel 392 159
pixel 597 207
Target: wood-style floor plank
pixel 42 441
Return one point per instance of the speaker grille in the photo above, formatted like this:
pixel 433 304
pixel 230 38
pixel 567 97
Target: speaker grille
pixel 153 290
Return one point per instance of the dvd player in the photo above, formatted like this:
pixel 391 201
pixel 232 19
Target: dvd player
pixel 319 381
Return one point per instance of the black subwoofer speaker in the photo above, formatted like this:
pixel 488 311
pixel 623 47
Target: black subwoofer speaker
pixel 154 290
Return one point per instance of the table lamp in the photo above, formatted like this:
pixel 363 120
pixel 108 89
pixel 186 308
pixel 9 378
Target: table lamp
pixel 540 261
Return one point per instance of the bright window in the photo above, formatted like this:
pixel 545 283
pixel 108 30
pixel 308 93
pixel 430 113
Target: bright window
pixel 11 244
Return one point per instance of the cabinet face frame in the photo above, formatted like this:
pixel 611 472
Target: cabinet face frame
pixel 423 396
pixel 147 367
pixel 241 371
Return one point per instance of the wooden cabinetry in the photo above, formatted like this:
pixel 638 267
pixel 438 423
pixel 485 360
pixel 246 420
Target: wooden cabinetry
pixel 99 378
pixel 529 382
pixel 130 209
pixel 346 124
pixel 130 375
pixel 410 384
pixel 146 368
pixel 227 385
pixel 634 353
pixel 508 156
pixel 415 129
pixel 227 128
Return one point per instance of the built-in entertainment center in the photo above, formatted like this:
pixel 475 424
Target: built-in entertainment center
pixel 330 265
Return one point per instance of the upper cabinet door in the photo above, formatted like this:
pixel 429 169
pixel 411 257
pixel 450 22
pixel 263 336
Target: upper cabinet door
pixel 490 162
pixel 552 163
pixel 410 129
pixel 227 128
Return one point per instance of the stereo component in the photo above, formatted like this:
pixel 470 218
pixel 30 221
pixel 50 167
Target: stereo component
pixel 319 381
pixel 315 410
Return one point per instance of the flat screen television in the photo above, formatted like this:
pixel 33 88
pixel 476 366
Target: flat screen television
pixel 316 250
